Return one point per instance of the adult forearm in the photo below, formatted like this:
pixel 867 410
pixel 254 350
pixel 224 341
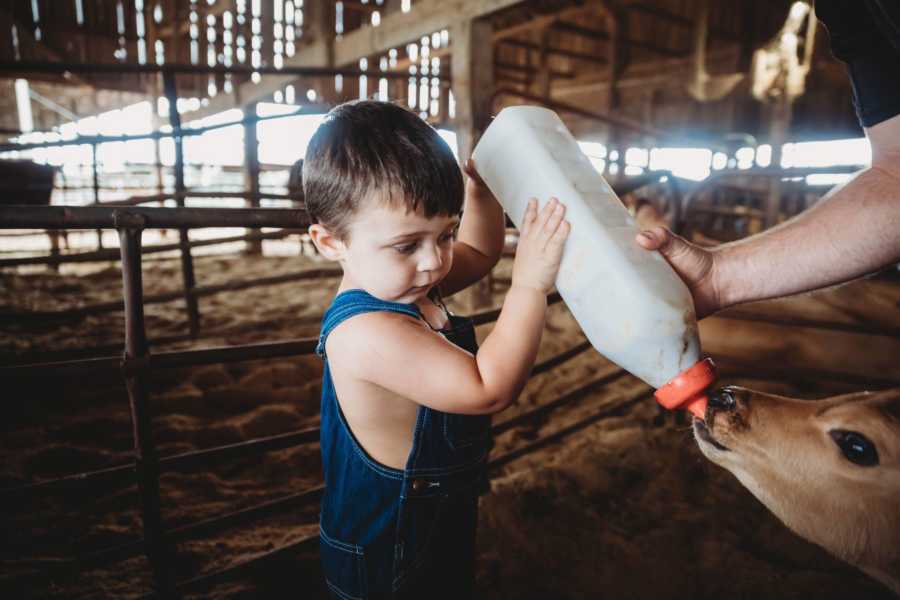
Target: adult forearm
pixel 853 231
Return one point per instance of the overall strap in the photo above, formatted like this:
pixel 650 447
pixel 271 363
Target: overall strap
pixel 356 302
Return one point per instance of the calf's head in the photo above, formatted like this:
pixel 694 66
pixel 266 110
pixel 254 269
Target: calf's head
pixel 829 469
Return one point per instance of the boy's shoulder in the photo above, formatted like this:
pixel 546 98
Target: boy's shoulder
pixel 360 333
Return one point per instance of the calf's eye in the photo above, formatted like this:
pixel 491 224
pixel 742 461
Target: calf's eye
pixel 855 447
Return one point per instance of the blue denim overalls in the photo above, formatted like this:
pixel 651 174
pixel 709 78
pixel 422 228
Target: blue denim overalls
pixel 392 534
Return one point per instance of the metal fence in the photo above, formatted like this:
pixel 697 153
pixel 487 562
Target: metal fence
pixel 137 362
pixel 130 219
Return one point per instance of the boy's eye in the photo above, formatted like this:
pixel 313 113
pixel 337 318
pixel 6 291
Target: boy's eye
pixel 450 235
pixel 406 248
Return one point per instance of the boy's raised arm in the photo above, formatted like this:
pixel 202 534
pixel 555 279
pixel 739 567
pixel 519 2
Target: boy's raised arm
pixel 399 354
pixel 481 233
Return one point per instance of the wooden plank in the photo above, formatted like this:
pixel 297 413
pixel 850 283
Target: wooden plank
pixel 400 28
pixel 395 30
pixel 574 12
pixel 592 58
pixel 472 73
pixel 473 81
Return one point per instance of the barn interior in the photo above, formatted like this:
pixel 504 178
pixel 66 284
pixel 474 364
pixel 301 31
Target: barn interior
pixel 160 300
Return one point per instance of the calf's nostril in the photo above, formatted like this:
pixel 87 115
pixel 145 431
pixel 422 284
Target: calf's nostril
pixel 722 399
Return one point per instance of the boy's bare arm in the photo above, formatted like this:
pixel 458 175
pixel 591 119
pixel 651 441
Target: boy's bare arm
pixel 401 355
pixel 481 233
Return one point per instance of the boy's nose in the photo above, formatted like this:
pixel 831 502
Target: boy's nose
pixel 430 259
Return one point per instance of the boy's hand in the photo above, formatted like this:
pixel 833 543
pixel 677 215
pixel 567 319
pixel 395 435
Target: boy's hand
pixel 476 189
pixel 541 242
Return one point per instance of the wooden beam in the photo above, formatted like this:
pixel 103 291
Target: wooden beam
pixel 617 24
pixel 26 38
pixel 616 121
pixel 179 27
pixel 505 66
pixel 667 74
pixel 403 64
pixel 357 6
pixel 396 29
pixel 680 20
pixel 603 35
pixel 545 75
pixel 472 77
pixel 546 20
pixel 593 58
pixel 472 81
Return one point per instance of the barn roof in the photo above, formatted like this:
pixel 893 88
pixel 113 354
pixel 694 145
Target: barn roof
pixel 630 59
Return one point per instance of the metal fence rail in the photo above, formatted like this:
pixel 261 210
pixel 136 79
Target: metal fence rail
pixel 156 541
pixel 112 254
pixel 193 193
pixel 206 580
pixel 177 462
pixel 195 292
pixel 266 444
pixel 164 538
pixel 140 217
pixel 127 550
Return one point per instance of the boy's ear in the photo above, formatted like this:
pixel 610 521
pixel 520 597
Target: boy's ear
pixel 326 242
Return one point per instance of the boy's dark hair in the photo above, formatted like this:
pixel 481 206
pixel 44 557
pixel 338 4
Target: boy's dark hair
pixel 368 146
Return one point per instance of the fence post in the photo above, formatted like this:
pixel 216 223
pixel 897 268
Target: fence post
pixel 134 365
pixel 187 262
pixel 96 174
pixel 251 160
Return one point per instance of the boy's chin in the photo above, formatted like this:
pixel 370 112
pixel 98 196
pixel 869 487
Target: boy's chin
pixel 404 297
pixel 417 293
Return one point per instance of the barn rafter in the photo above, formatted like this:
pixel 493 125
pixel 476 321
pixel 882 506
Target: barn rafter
pixel 567 49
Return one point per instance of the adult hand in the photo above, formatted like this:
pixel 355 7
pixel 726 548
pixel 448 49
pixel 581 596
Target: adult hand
pixel 695 265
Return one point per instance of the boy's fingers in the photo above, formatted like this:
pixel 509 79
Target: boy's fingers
pixel 553 221
pixel 470 170
pixel 561 233
pixel 558 239
pixel 547 211
pixel 530 216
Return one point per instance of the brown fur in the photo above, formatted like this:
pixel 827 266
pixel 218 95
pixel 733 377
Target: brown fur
pixel 781 451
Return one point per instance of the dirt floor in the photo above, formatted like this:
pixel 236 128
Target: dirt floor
pixel 624 508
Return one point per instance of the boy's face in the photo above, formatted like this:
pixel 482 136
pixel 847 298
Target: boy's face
pixel 395 254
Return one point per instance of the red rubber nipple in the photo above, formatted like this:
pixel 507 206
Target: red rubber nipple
pixel 687 390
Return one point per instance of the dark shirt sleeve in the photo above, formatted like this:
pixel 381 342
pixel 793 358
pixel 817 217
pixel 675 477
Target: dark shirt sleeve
pixel 865 35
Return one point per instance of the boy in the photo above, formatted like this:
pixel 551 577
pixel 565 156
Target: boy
pixel 406 401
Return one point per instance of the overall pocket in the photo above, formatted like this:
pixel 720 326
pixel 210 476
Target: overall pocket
pixel 344 568
pixel 442 567
pixel 464 431
pixel 419 521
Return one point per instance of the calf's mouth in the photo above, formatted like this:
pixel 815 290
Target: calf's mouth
pixel 703 432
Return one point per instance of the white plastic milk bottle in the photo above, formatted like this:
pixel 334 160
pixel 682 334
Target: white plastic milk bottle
pixel 631 305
